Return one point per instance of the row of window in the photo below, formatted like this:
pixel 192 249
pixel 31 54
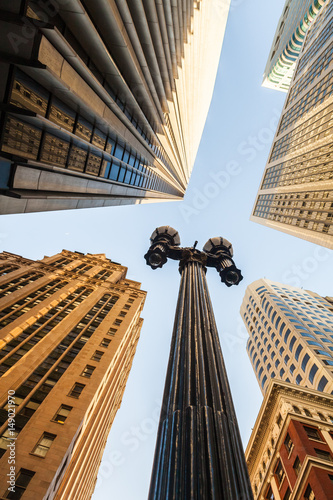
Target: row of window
pixel 24 138
pixel 317 44
pixel 28 94
pixel 83 268
pixel 11 285
pixel 318 220
pixel 319 65
pixel 279 472
pixel 11 313
pixel 310 131
pixel 325 13
pixel 15 349
pixel 45 376
pixel 289 340
pixel 21 138
pixel 312 166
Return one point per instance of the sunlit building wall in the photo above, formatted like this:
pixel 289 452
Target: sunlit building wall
pixel 290 335
pixel 103 103
pixel 296 191
pixel 69 324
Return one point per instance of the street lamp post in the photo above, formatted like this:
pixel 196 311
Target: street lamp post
pixel 199 454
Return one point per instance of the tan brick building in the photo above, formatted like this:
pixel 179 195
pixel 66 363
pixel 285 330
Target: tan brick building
pixel 70 324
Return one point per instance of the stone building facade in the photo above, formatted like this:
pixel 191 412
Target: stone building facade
pixel 70 324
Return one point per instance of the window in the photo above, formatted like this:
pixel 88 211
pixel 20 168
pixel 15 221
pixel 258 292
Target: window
pixel 323 454
pixel 288 443
pixel 312 433
pixel 321 416
pixel 6 439
pixel 297 466
pixel 305 361
pixel 117 322
pixel 322 383
pixel 112 331
pixel 97 355
pixel 279 472
pixel 44 444
pixel 122 314
pixel 105 343
pixel 312 373
pixel 292 342
pixel 297 410
pixel 269 494
pixel 76 390
pixel 298 351
pixel 62 414
pixel 88 371
pixel 309 495
pixel 21 482
pixel 307 413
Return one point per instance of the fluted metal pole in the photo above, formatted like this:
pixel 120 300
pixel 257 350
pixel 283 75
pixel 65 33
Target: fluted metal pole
pixel 199 454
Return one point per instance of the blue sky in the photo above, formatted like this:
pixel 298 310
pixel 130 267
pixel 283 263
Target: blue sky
pixel 227 172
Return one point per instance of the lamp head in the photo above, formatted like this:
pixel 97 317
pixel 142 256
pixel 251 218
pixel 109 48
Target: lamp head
pixel 218 245
pixel 231 275
pixel 165 234
pixel 162 238
pixel 222 251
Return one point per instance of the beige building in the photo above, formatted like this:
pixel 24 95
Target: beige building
pixel 110 118
pixel 290 335
pixel 290 451
pixel 296 191
pixel 70 324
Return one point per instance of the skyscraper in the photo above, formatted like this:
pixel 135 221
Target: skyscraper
pixel 293 24
pixel 70 324
pixel 290 451
pixel 291 335
pixel 109 118
pixel 296 191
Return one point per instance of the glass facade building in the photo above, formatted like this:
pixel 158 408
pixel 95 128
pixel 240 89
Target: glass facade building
pixel 290 335
pixel 296 191
pixel 293 24
pixel 70 324
pixel 109 118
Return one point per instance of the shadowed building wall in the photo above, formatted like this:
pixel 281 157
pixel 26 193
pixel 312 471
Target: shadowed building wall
pixel 109 118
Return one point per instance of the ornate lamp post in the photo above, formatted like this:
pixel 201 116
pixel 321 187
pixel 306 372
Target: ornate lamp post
pixel 199 454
